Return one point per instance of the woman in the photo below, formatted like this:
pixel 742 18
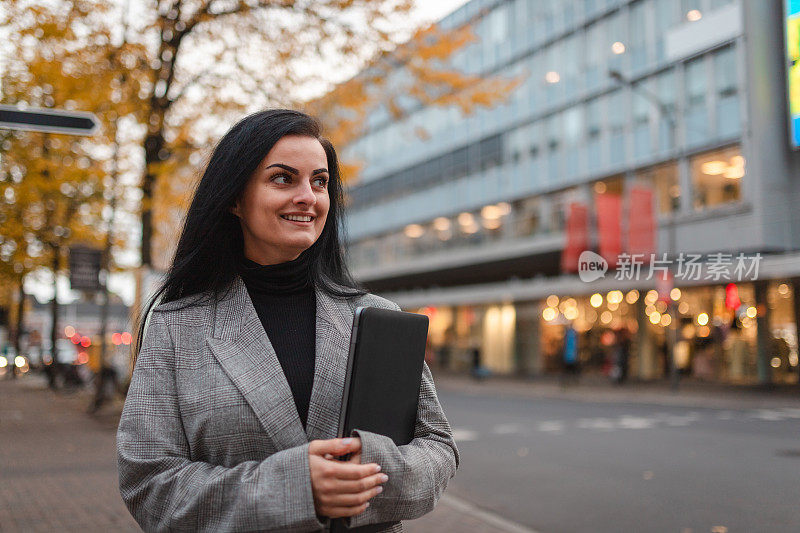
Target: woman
pixel 235 396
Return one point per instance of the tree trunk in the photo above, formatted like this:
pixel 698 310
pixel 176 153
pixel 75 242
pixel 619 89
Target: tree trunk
pixel 100 379
pixel 54 368
pixel 153 146
pixel 18 327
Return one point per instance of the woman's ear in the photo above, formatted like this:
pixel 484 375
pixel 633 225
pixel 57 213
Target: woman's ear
pixel 234 209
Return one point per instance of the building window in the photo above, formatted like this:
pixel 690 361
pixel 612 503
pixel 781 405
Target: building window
pixel 616 125
pixel 594 125
pixel 594 59
pixel 717 176
pixel 642 108
pixel 639 32
pixel 498 25
pixel 696 110
pixel 663 181
pixel 727 92
pixel 554 152
pixel 559 203
pixel 528 216
pixel 665 90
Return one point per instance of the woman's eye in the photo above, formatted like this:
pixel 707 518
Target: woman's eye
pixel 322 182
pixel 281 178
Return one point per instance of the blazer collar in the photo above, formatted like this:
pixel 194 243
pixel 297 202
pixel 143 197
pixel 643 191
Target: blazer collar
pixel 242 347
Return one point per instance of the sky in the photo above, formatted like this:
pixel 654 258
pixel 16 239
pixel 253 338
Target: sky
pixel 433 10
pixel 122 284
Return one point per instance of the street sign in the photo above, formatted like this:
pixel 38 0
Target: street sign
pixel 84 268
pixel 48 120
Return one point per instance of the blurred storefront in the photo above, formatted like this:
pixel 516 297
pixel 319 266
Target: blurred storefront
pixel 715 341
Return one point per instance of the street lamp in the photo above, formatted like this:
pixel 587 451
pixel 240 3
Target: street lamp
pixel 668 114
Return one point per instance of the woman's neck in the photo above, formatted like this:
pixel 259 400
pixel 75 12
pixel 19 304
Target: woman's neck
pixel 280 278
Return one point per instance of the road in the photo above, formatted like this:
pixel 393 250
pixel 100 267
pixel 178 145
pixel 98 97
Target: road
pixel 560 465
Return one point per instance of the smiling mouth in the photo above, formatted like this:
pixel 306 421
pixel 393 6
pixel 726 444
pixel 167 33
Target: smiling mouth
pixel 297 218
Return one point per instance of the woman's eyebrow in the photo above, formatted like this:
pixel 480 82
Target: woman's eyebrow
pixel 293 170
pixel 287 168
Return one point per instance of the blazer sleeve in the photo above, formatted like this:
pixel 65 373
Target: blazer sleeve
pixel 418 471
pixel 166 491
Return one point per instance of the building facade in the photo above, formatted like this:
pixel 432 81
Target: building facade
pixel 685 99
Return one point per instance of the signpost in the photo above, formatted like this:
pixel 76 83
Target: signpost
pixel 48 120
pixel 84 268
pixel 68 123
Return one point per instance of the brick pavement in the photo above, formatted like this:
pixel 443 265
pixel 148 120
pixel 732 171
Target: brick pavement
pixel 58 469
pixel 58 465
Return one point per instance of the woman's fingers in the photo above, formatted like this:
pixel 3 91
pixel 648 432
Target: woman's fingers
pixel 341 488
pixel 361 485
pixel 343 470
pixel 334 447
pixel 352 500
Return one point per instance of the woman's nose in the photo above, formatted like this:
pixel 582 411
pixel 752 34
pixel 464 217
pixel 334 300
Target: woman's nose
pixel 305 195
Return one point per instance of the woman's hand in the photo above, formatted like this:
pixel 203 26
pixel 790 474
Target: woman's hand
pixel 342 489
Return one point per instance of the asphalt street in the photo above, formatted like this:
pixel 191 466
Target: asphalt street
pixel 561 465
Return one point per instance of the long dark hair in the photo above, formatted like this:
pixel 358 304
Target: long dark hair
pixel 211 243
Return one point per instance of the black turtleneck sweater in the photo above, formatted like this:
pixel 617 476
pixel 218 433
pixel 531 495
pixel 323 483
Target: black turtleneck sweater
pixel 283 296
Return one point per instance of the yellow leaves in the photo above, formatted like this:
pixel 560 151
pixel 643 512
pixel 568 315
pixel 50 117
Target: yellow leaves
pixel 422 133
pixel 416 74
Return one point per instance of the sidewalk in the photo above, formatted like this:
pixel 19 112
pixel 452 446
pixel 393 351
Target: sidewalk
pixel 58 469
pixel 597 389
pixel 58 465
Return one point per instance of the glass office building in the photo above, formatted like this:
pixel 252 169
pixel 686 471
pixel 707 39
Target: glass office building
pixel 467 222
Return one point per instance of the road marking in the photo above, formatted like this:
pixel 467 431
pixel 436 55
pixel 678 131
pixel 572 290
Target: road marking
pixel 552 426
pixel 681 420
pixel 628 421
pixel 464 435
pixel 487 517
pixel 636 422
pixel 772 415
pixel 603 424
pixel 505 429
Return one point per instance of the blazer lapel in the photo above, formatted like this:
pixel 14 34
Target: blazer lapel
pixel 334 324
pixel 242 347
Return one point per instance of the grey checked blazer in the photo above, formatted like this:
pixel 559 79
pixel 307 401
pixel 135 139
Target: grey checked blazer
pixel 210 438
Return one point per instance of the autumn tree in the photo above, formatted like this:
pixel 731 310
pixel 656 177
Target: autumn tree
pixel 56 188
pixel 197 65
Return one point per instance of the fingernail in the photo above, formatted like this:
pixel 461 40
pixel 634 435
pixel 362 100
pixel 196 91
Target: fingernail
pixel 380 489
pixel 377 468
pixel 367 504
pixel 384 478
pixel 347 442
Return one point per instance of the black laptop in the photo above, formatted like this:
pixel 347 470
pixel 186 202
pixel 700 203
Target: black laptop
pixel 384 372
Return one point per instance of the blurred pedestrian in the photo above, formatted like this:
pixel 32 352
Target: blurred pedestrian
pixel 571 369
pixel 621 355
pixel 233 406
pixel 477 370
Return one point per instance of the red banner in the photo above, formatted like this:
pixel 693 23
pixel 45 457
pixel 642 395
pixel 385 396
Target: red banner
pixel 609 227
pixel 577 236
pixel 641 222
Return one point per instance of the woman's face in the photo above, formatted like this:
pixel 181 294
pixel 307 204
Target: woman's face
pixel 283 207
